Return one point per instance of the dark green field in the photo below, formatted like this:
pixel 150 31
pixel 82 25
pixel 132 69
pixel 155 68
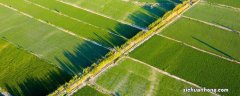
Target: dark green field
pixel 88 91
pixel 200 35
pixel 192 65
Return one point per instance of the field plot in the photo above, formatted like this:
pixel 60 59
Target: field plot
pixel 223 16
pixel 21 72
pixel 63 50
pixel 213 39
pixel 137 13
pixel 131 78
pixel 195 66
pixel 77 28
pixel 88 91
pixel 84 16
pixel 234 3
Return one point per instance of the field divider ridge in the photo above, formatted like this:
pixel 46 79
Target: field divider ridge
pixel 198 49
pixel 168 74
pixel 122 51
pixel 211 24
pixel 75 19
pixel 97 13
pixel 57 27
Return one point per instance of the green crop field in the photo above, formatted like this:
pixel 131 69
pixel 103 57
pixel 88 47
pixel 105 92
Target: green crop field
pixel 128 11
pixel 88 91
pixel 131 78
pixel 21 72
pixel 213 39
pixel 90 18
pixel 192 65
pixel 96 34
pixel 234 3
pixel 46 43
pixel 222 16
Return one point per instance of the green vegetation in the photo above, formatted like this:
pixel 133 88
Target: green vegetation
pixel 51 44
pixel 131 78
pixel 128 11
pixel 206 37
pixel 90 18
pixel 234 3
pixel 21 72
pixel 222 16
pixel 81 29
pixel 192 65
pixel 88 91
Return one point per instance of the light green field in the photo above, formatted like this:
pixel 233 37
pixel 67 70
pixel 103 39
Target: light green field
pixel 222 16
pixel 21 72
pixel 126 11
pixel 66 51
pixel 88 91
pixel 90 18
pixel 234 3
pixel 189 64
pixel 131 78
pixel 213 39
pixel 96 34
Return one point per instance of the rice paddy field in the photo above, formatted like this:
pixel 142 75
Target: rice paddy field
pixel 132 78
pixel 49 42
pixel 200 47
pixel 45 43
pixel 88 91
pixel 187 63
pixel 130 11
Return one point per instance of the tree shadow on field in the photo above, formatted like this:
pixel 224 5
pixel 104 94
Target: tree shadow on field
pixel 39 86
pixel 149 13
pixel 214 48
pixel 83 56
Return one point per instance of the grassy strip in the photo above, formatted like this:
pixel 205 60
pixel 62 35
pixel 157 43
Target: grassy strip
pixel 81 29
pixel 205 37
pixel 116 54
pixel 223 16
pixel 197 67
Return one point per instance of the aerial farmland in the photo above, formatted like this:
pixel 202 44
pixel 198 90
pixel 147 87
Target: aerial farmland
pixel 119 47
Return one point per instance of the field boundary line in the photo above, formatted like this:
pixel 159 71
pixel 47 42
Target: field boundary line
pixel 97 13
pixel 211 24
pixel 168 74
pixel 75 19
pixel 57 27
pixel 227 6
pixel 198 49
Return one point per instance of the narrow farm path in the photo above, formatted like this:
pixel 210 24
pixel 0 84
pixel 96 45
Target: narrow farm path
pixel 154 82
pixel 57 27
pixel 168 74
pixel 211 24
pixel 97 13
pixel 198 49
pixel 75 19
